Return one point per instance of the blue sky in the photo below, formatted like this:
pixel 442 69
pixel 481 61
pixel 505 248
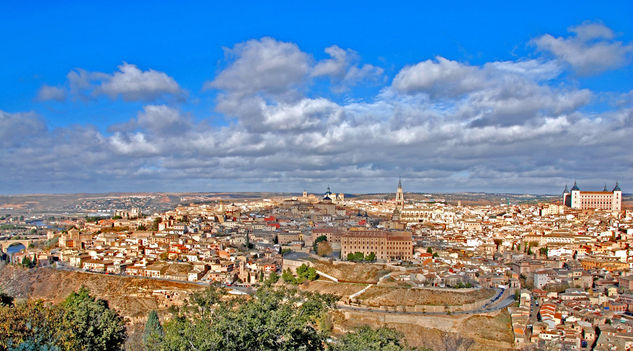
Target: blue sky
pixel 206 96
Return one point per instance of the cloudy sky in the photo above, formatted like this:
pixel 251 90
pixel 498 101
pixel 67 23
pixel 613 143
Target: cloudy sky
pixel 199 97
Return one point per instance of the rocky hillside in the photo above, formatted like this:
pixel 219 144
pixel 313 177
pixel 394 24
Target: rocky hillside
pixel 132 297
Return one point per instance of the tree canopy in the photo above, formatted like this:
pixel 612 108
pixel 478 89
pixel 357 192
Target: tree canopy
pixel 274 319
pixel 153 333
pixel 368 339
pixel 319 239
pixel 79 323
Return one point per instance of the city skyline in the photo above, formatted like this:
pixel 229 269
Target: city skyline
pixel 205 98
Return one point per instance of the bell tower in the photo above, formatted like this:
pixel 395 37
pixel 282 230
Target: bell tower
pixel 399 196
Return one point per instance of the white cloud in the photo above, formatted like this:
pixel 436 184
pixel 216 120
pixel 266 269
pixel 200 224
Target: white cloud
pixel 161 119
pixel 48 92
pixel 343 69
pixel 443 125
pixel 17 128
pixel 440 78
pixel 592 50
pixel 304 115
pixel 133 84
pixel 266 65
pixel 129 83
pixel 135 144
pixel 336 65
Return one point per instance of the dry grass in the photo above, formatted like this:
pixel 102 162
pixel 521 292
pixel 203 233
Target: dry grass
pixel 498 327
pixel 327 287
pixel 353 272
pixel 392 296
pixel 132 297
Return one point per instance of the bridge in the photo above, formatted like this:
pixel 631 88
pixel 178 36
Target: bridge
pixel 8 243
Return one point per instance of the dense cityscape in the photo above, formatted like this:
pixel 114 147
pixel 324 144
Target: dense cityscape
pixel 561 270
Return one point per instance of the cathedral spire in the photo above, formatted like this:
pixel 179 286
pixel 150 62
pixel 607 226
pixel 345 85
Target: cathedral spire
pixel 399 195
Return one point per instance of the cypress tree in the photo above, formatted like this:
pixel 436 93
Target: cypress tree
pixel 153 330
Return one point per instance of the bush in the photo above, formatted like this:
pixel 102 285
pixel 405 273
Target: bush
pixel 324 249
pixel 276 319
pixel 368 339
pixel 317 241
pixel 356 257
pixel 80 322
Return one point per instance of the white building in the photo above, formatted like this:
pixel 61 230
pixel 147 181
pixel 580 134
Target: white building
pixel 604 200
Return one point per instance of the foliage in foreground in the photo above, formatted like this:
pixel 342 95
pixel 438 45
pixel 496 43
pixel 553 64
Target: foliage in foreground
pixel 367 339
pixel 79 323
pixel 274 319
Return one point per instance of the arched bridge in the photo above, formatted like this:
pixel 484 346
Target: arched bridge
pixel 8 243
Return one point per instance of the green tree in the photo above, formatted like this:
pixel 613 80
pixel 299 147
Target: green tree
pixel 288 277
pixel 276 319
pixel 543 251
pixel 272 278
pixel 429 250
pixel 5 299
pixel 27 262
pixel 305 272
pixel 153 334
pixel 89 324
pixel 317 241
pixel 154 226
pixel 368 339
pixel 371 257
pixel 356 257
pixel 31 325
pixel 324 249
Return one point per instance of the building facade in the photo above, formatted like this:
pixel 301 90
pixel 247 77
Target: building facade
pixel 385 245
pixel 603 200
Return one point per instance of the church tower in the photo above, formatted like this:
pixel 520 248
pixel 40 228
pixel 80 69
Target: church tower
pixel 399 196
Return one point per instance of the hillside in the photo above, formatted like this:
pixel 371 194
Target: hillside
pixel 132 297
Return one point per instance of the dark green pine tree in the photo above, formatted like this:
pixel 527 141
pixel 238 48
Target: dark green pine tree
pixel 153 334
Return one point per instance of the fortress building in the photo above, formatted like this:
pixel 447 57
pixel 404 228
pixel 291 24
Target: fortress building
pixel 603 200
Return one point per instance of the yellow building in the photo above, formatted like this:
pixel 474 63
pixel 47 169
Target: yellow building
pixel 385 245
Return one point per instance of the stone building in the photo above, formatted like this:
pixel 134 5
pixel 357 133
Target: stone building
pixel 386 245
pixel 603 200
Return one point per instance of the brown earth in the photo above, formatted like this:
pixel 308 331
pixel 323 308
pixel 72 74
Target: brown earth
pixel 439 333
pixel 395 296
pixel 132 297
pixel 328 287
